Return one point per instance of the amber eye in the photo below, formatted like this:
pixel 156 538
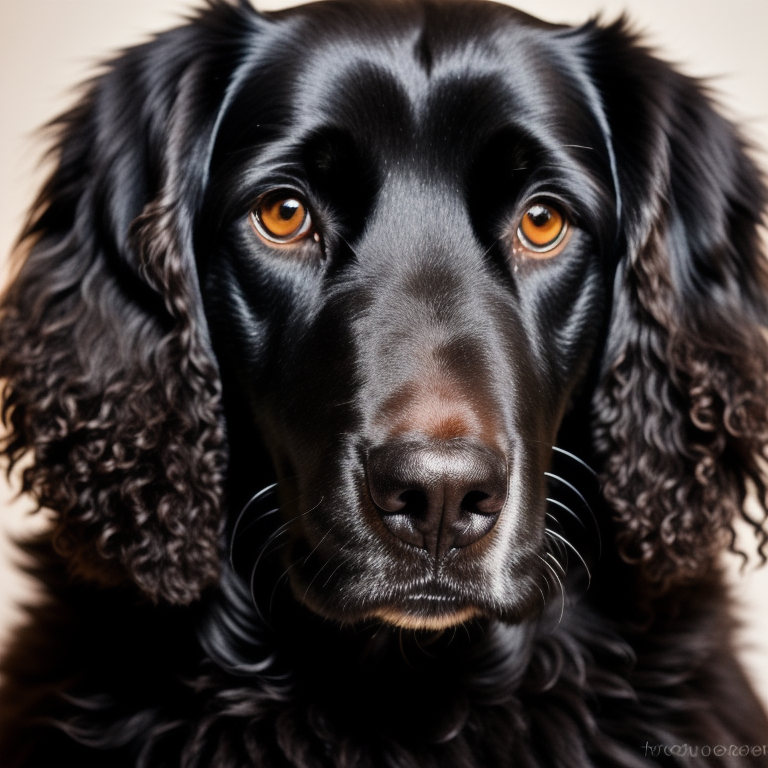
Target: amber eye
pixel 281 217
pixel 542 228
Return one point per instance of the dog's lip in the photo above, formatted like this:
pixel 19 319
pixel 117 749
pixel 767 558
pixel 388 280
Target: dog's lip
pixel 428 597
pixel 429 591
pixel 421 611
pixel 425 608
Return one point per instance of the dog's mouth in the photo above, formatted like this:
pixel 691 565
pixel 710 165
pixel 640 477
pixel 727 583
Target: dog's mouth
pixel 426 604
pixel 370 576
pixel 427 608
pixel 420 609
pixel 339 558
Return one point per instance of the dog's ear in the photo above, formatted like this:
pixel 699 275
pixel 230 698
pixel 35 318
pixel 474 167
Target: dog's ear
pixel 682 413
pixel 111 390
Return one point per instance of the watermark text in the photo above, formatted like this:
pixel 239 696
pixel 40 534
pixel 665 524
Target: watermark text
pixel 705 750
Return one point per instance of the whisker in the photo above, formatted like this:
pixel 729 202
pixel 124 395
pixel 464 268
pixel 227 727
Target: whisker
pixel 314 549
pixel 557 562
pixel 277 532
pixel 567 509
pixel 580 495
pixel 283 575
pixel 569 485
pixel 264 492
pixel 252 523
pixel 252 580
pixel 491 246
pixel 567 543
pixel 320 569
pixel 562 588
pixel 343 562
pixel 576 459
pixel 560 548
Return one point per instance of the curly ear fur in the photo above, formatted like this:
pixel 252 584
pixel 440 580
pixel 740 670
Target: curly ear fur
pixel 682 414
pixel 109 381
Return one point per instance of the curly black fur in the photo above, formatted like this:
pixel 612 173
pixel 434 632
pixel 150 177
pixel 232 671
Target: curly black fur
pixel 162 363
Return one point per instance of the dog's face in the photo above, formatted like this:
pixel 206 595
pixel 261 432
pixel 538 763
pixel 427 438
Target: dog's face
pixel 414 250
pixel 406 249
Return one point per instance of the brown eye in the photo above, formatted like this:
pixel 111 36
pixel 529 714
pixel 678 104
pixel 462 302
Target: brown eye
pixel 281 218
pixel 542 229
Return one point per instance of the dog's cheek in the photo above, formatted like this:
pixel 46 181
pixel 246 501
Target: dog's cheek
pixel 564 303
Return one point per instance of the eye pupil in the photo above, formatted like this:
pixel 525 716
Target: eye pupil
pixel 288 209
pixel 539 215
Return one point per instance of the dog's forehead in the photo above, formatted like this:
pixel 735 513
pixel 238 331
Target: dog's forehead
pixel 418 90
pixel 414 65
pixel 419 42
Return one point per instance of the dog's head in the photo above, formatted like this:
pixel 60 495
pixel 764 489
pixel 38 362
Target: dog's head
pixel 423 246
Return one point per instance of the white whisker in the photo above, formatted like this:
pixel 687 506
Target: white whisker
pixel 567 509
pixel 562 588
pixel 557 562
pixel 567 543
pixel 576 459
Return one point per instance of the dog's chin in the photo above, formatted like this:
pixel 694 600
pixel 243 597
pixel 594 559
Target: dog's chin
pixel 403 618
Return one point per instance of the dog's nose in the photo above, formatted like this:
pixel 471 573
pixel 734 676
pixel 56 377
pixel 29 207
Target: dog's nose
pixel 437 494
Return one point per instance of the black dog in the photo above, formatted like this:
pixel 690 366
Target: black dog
pixel 421 265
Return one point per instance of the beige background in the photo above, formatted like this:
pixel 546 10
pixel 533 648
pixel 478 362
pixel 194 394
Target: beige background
pixel 48 46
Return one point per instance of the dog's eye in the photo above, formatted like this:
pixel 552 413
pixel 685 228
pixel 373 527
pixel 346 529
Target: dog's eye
pixel 542 229
pixel 281 218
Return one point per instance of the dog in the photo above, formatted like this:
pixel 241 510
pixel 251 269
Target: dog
pixel 394 375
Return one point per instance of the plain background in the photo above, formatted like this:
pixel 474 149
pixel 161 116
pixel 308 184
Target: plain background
pixel 48 46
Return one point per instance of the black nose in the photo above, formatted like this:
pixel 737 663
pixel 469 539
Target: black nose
pixel 438 494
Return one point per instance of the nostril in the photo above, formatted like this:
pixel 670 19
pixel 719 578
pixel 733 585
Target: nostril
pixel 437 494
pixel 394 497
pixel 414 503
pixel 481 503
